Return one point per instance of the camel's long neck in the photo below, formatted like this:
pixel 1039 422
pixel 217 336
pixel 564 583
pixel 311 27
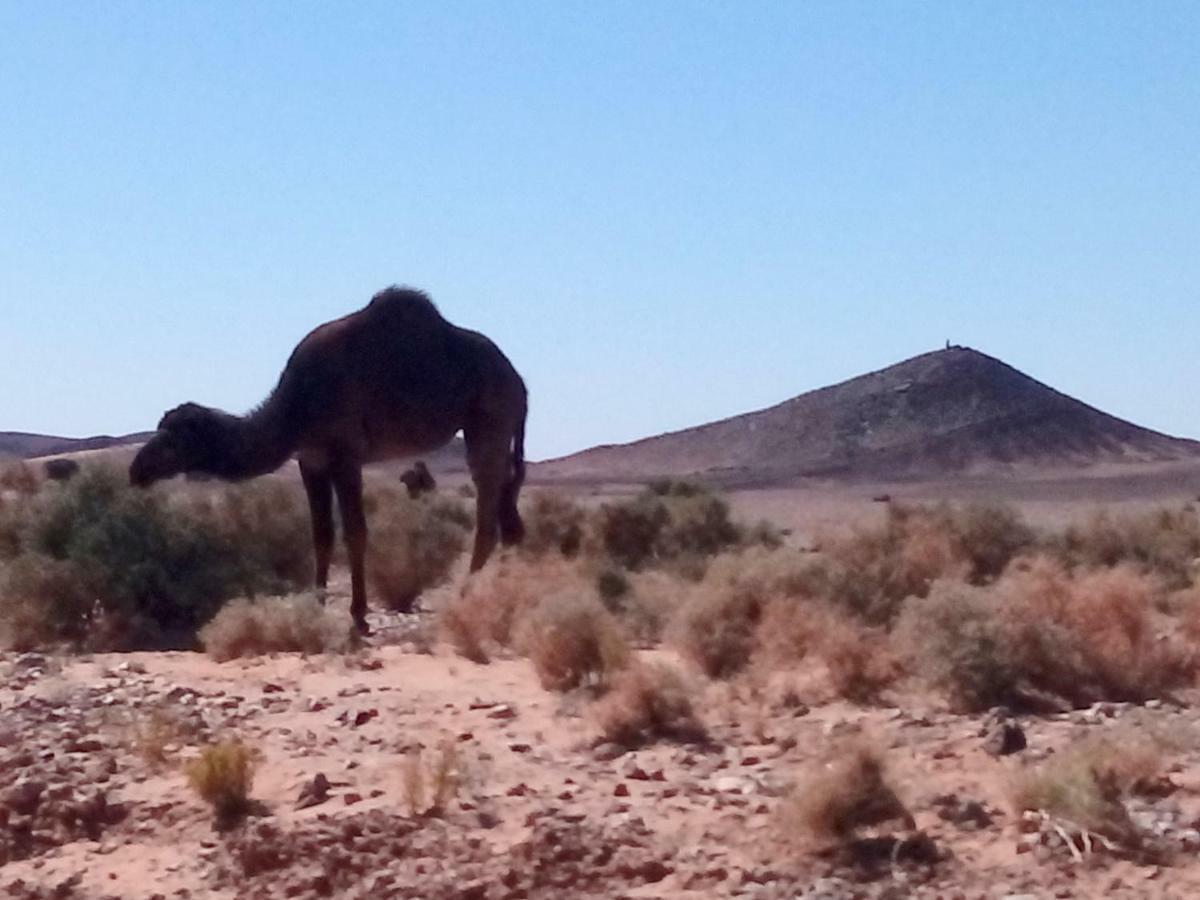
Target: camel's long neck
pixel 258 443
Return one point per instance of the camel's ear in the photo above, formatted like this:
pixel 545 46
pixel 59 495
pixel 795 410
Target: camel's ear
pixel 182 418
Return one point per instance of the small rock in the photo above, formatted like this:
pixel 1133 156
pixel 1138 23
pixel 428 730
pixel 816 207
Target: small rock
pixel 607 752
pixel 314 792
pixel 1005 738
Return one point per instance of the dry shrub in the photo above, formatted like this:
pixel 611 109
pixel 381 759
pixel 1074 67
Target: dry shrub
pixel 295 624
pixel 874 569
pixel 18 476
pixel 267 521
pixel 1087 784
pixel 1092 636
pixel 572 641
pixel 850 792
pixel 553 524
pixel 717 627
pixel 958 641
pixel 1043 631
pixel 45 603
pixel 414 543
pixel 485 616
pixel 859 659
pixel 646 702
pixel 648 605
pixel 222 776
pixel 1164 542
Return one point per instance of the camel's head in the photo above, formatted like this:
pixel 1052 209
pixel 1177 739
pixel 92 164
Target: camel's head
pixel 184 443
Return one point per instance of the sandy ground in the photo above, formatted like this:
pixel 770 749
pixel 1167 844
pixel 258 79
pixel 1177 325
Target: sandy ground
pixel 542 809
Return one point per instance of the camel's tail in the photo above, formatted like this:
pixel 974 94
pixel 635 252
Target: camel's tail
pixel 512 529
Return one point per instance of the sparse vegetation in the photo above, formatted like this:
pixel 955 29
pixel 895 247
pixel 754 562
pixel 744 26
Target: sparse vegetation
pixel 1087 784
pixel 429 787
pixel 18 477
pixel 553 524
pixel 297 624
pixel 222 776
pixel 646 702
pixel 414 543
pixel 572 641
pixel 671 522
pixel 851 791
pixel 100 565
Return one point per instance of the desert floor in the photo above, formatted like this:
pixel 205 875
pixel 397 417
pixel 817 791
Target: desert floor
pixel 539 807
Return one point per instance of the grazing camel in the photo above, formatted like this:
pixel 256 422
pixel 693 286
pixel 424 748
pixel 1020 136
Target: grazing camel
pixel 392 379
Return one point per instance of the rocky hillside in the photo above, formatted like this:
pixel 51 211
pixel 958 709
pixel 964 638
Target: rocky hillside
pixel 952 412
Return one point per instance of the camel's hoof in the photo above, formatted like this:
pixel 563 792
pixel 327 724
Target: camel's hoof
pixel 361 626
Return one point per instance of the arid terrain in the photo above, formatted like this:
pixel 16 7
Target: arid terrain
pixel 541 807
pixel 964 667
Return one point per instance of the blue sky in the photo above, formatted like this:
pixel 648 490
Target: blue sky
pixel 665 213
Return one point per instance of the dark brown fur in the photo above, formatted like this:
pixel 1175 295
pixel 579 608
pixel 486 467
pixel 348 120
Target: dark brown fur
pixel 393 379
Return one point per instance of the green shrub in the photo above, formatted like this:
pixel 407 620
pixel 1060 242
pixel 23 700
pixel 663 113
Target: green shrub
pixel 553 524
pixel 668 522
pixel 144 571
pixel 961 645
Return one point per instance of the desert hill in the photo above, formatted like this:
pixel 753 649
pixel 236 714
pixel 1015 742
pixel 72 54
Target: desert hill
pixel 30 446
pixel 951 412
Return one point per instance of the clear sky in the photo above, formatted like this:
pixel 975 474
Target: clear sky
pixel 665 213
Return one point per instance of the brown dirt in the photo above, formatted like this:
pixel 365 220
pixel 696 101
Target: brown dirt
pixel 542 811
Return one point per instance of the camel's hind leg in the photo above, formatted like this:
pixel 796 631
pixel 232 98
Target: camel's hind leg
pixel 487 457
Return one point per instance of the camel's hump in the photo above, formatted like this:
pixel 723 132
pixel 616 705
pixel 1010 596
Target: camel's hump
pixel 403 301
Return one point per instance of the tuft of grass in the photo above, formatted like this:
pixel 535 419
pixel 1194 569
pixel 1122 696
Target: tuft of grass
pixel 429 787
pixel 152 736
pixel 646 702
pixel 294 624
pixel 832 802
pixel 222 777
pixel 572 641
pixel 1089 783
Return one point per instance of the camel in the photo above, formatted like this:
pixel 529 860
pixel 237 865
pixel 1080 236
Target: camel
pixel 418 479
pixel 392 379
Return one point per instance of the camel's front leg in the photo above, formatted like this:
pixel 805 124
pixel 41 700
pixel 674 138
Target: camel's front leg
pixel 347 482
pixel 319 488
